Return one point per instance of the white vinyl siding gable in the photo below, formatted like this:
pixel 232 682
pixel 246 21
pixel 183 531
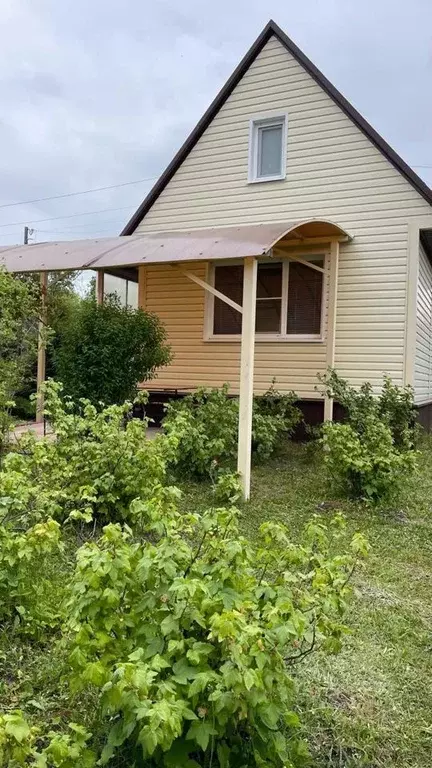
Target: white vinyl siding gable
pixel 423 357
pixel 333 171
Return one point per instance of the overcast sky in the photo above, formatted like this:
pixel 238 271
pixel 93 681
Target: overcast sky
pixel 101 92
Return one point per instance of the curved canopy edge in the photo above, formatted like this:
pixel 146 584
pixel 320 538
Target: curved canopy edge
pixel 164 247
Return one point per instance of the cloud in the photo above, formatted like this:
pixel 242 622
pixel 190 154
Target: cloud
pixel 102 92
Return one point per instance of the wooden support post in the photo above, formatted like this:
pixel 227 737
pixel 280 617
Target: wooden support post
pixel 331 321
pixel 100 280
pixel 41 357
pixel 247 373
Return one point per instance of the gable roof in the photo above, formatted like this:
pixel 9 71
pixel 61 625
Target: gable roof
pixel 272 29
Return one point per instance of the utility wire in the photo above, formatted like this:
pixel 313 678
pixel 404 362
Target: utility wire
pixel 72 194
pixel 70 216
pixel 103 189
pixel 110 222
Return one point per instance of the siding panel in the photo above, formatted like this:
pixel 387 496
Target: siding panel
pixel 333 172
pixel 423 357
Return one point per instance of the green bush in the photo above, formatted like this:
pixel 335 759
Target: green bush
pixel 366 465
pixel 24 745
pixel 370 455
pixel 98 464
pixel 206 426
pixel 26 596
pixel 106 350
pixel 394 406
pixel 189 634
pixel 171 640
pixel 19 316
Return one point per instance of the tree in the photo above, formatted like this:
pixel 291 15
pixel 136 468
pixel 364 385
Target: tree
pixel 105 350
pixel 61 301
pixel 19 318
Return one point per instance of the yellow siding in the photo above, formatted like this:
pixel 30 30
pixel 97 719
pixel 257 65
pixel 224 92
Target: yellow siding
pixel 180 304
pixel 423 358
pixel 334 172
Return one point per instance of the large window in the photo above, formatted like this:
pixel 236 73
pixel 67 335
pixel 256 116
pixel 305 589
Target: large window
pixel 288 304
pixel 125 290
pixel 267 149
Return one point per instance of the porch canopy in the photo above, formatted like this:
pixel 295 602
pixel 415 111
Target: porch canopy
pixel 158 247
pixel 123 255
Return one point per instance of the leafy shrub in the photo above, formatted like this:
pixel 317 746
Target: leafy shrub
pixel 227 489
pixel 206 425
pixel 98 464
pixel 20 745
pixel 188 632
pixel 394 406
pixel 106 350
pixel 366 465
pixel 25 587
pixel 19 314
pixel 370 455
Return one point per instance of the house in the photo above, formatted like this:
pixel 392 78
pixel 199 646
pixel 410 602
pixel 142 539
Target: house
pixel 286 236
pixel 281 144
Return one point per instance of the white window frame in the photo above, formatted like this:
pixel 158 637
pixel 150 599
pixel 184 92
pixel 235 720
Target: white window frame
pixel 266 121
pixel 284 337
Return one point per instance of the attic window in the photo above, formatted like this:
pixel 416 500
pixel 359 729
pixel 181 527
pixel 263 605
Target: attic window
pixel 267 149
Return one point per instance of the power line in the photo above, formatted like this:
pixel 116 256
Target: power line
pixel 80 235
pixel 113 222
pixel 72 194
pixel 70 216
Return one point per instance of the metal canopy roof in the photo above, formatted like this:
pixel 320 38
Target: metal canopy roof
pixel 162 247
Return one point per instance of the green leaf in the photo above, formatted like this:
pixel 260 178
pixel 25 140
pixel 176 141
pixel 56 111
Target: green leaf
pixel 249 679
pixel 95 673
pixel 200 683
pixel 292 719
pixel 169 625
pixel 183 672
pixel 148 739
pixel 201 732
pixel 17 727
pixel 223 754
pixel 178 755
pixel 269 714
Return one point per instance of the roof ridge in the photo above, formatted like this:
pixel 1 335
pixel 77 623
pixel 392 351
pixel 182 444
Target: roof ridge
pixel 270 29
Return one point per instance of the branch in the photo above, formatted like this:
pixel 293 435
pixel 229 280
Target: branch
pixel 196 555
pixel 303 654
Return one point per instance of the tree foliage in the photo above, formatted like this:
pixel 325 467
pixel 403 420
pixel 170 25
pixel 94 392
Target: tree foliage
pixel 105 350
pixel 98 464
pixel 19 317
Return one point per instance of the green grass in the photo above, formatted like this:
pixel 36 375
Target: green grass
pixel 371 705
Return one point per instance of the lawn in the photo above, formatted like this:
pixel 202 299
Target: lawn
pixel 370 705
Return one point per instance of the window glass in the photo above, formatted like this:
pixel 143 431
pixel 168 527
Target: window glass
pixel 132 294
pixel 269 281
pixel 125 290
pixel 269 151
pixel 269 298
pixel 302 310
pixel 229 281
pixel 305 287
pixel 268 316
